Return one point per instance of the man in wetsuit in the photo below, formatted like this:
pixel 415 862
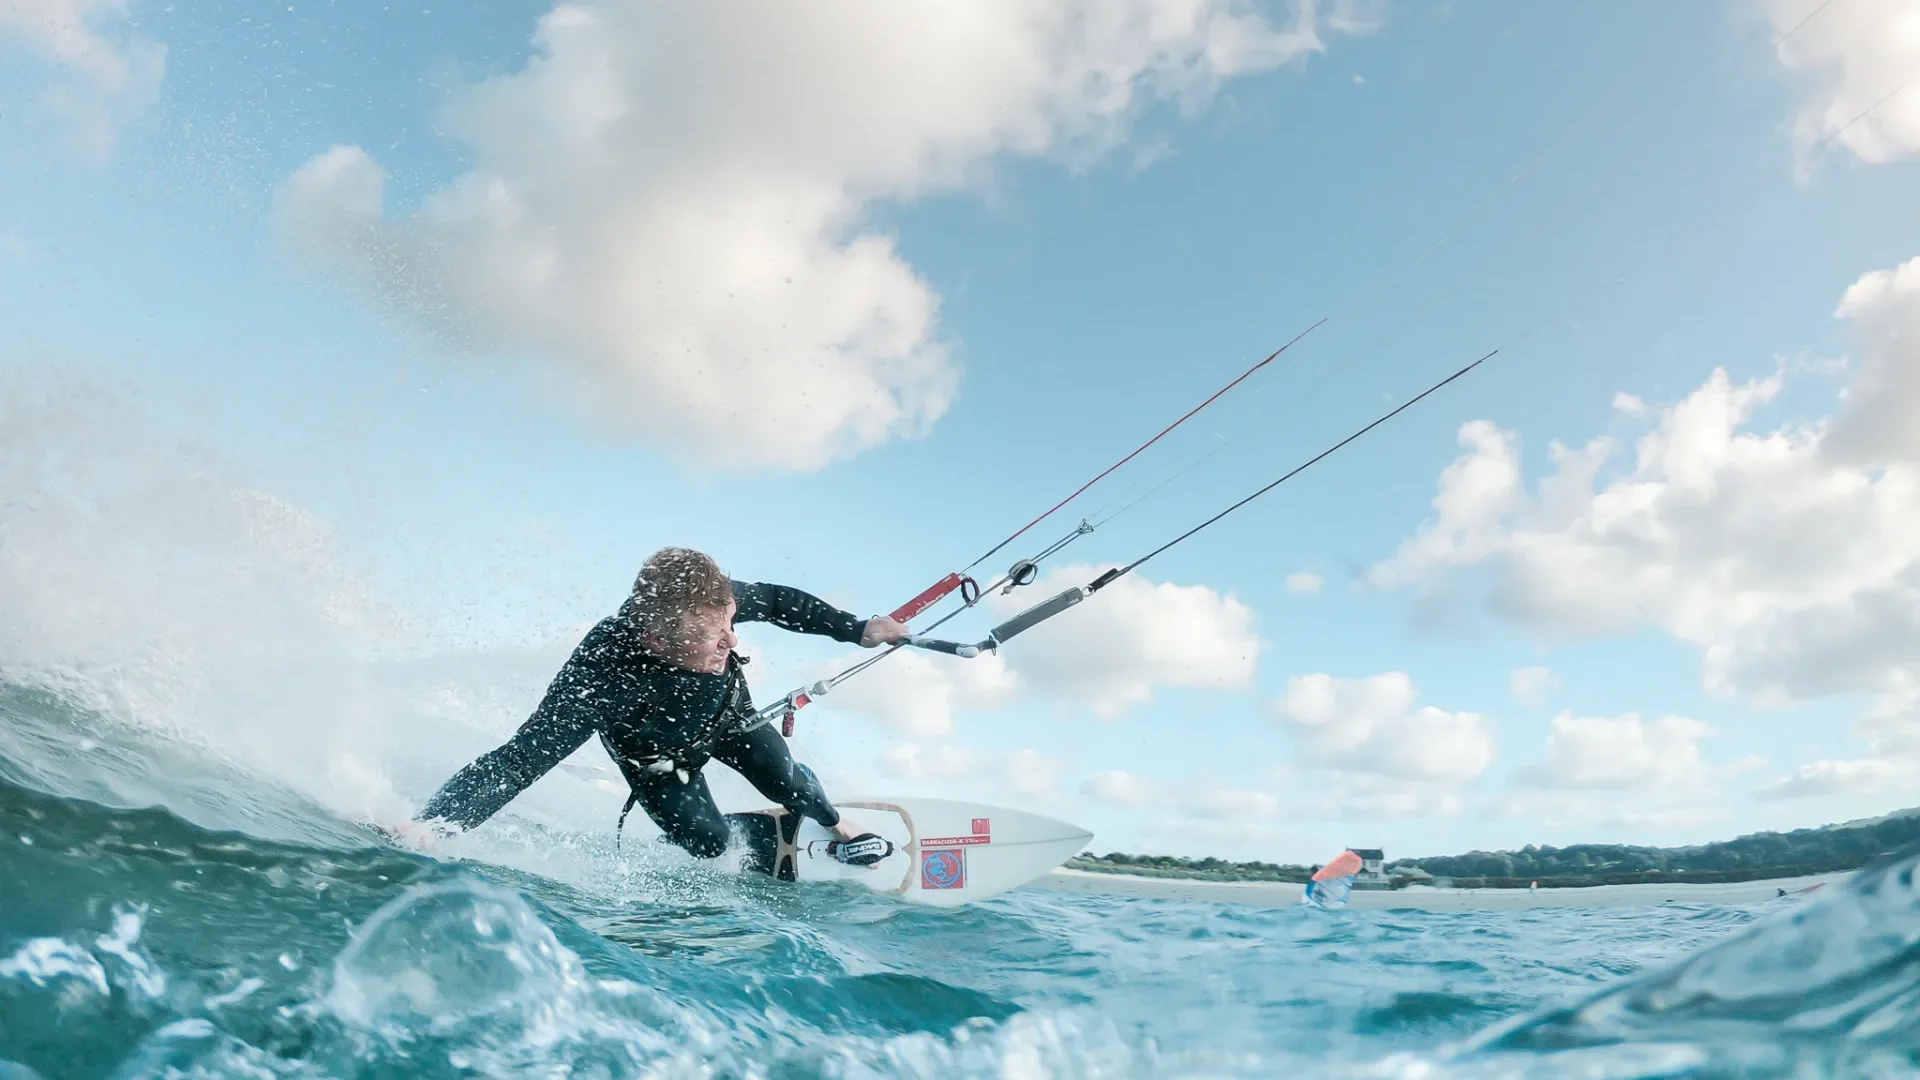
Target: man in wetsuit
pixel 661 686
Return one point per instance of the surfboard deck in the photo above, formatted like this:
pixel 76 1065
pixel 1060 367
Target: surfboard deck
pixel 945 852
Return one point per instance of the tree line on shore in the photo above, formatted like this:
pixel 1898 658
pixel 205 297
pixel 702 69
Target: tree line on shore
pixel 1757 856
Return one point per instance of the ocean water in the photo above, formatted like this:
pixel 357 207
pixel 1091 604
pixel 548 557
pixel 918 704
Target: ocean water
pixel 165 913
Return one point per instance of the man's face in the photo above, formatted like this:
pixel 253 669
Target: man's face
pixel 705 640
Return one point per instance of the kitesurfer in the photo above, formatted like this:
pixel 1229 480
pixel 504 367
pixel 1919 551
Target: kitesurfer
pixel 661 685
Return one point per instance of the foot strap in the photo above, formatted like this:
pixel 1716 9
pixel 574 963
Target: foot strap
pixel 863 850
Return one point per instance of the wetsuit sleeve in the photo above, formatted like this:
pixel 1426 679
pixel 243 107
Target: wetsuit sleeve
pixel 565 720
pixel 791 609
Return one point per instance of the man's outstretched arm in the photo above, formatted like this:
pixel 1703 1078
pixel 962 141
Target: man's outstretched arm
pixel 792 609
pixel 564 721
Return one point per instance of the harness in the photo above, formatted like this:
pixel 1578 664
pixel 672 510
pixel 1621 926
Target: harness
pixel 691 754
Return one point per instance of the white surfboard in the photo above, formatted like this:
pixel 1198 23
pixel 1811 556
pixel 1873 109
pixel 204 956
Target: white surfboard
pixel 945 853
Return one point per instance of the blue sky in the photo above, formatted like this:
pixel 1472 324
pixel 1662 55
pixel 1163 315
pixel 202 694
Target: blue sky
pixel 555 342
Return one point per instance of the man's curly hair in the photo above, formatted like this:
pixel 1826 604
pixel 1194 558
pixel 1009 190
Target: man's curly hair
pixel 674 583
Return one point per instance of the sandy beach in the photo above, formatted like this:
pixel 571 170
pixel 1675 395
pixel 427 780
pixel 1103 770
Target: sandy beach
pixel 1275 894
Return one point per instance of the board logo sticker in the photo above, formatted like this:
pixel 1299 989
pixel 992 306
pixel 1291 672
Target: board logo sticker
pixel 954 841
pixel 943 869
pixel 981 833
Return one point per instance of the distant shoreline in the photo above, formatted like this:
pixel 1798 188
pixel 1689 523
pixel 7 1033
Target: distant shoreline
pixel 1752 860
pixel 1544 881
pixel 1423 897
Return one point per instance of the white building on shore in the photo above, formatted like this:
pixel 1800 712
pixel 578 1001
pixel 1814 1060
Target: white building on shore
pixel 1373 869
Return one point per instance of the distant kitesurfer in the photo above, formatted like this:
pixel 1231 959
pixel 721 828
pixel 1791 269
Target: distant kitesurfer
pixel 661 685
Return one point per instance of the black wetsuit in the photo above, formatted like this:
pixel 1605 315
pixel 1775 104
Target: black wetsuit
pixel 661 724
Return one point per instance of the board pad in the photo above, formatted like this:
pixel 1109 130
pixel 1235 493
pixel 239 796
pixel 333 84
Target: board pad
pixel 946 852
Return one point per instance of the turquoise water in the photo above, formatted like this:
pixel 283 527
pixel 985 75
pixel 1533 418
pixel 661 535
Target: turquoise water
pixel 246 932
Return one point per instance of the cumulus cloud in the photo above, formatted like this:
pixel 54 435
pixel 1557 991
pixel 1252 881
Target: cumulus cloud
pixel 1223 803
pixel 1112 651
pixel 912 761
pixel 1822 779
pixel 1531 685
pixel 1598 814
pixel 1030 772
pixel 1327 793
pixel 1621 753
pixel 1366 798
pixel 679 216
pixel 1790 557
pixel 1861 58
pixel 107 76
pixel 919 694
pixel 1026 771
pixel 1876 422
pixel 1122 788
pixel 1372 726
pixel 1305 582
pixel 1320 794
pixel 1356 16
pixel 1106 655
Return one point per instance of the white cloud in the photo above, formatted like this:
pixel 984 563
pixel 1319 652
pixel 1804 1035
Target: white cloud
pixel 1122 788
pixel 919 693
pixel 1407 801
pixel 108 77
pixel 1370 725
pixel 1624 777
pixel 13 247
pixel 1106 655
pixel 1623 753
pixel 1789 557
pixel 1858 52
pixel 1321 794
pixel 1531 685
pixel 912 761
pixel 1029 772
pixel 1111 652
pixel 1232 803
pixel 1601 815
pixel 1026 772
pixel 1822 779
pixel 1305 582
pixel 1331 794
pixel 1256 837
pixel 1876 422
pixel 679 215
pixel 1356 16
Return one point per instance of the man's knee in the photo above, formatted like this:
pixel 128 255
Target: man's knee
pixel 702 840
pixel 793 787
pixel 810 798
